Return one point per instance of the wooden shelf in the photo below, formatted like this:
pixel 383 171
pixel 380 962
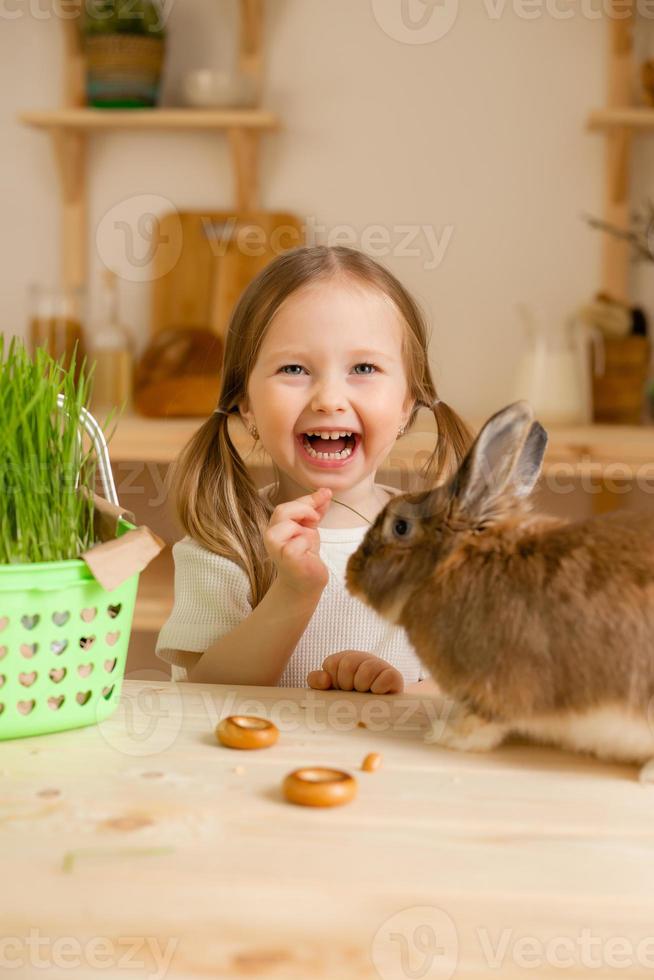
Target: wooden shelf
pixel 161 440
pixel 139 439
pixel 89 120
pixel 70 128
pixel 629 117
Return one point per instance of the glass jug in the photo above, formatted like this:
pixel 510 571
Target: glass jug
pixel 56 316
pixel 554 371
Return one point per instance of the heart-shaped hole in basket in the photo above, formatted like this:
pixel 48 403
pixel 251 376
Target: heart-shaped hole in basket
pixel 57 674
pixel 25 706
pixel 84 670
pixel 82 696
pixel 4 622
pixel 110 664
pixel 28 649
pixel 27 679
pixel 3 652
pixel 58 646
pixel 112 638
pixel 107 691
pixel 60 618
pixel 2 679
pixel 29 622
pixel 88 615
pixel 86 642
pixel 56 701
pixel 114 610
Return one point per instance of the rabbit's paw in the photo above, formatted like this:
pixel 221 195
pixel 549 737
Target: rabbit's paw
pixel 466 732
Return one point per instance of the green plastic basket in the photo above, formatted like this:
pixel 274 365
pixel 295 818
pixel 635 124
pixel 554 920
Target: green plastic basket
pixel 63 637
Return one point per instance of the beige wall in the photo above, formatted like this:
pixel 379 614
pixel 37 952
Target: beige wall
pixel 479 136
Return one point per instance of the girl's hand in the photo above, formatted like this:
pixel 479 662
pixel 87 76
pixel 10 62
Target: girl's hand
pixel 292 541
pixel 352 670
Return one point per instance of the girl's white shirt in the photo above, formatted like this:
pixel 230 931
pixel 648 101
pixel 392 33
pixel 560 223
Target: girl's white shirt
pixel 212 596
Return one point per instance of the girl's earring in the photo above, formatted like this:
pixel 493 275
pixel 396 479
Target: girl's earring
pixel 400 431
pixel 252 429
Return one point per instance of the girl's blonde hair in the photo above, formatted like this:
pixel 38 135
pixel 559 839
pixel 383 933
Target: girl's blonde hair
pixel 215 496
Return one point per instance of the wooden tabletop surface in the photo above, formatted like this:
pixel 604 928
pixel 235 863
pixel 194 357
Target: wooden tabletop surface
pixel 143 841
pixel 590 448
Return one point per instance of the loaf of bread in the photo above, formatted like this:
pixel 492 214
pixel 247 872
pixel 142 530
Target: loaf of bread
pixel 178 374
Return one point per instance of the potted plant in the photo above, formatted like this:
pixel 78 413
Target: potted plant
pixel 69 559
pixel 124 44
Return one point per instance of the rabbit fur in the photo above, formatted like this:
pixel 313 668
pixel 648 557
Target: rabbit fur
pixel 530 624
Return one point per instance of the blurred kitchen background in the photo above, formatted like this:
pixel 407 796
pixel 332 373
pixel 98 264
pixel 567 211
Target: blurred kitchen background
pixel 496 156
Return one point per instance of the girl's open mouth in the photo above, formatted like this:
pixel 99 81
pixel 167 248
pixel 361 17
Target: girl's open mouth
pixel 329 453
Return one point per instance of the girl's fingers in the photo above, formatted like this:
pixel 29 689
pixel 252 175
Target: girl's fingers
pixel 330 668
pixel 313 506
pixel 319 497
pixel 330 663
pixel 347 667
pixel 303 513
pixel 389 681
pixel 295 547
pixel 355 670
pixel 341 667
pixel 366 673
pixel 287 531
pixel 319 680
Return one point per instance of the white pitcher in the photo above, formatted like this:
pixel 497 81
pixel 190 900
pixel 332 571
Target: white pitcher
pixel 554 371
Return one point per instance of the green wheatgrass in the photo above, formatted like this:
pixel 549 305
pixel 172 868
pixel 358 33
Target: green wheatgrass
pixel 43 515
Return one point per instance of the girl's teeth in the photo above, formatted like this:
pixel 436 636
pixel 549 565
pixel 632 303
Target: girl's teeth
pixel 312 452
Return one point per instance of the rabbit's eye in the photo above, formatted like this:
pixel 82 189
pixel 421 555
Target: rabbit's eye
pixel 400 528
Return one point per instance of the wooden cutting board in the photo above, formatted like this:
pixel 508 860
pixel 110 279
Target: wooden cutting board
pixel 205 259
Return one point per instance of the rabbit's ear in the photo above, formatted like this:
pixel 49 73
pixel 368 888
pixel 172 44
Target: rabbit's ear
pixel 530 461
pixel 503 461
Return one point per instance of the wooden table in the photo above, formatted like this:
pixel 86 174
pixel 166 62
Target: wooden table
pixel 144 841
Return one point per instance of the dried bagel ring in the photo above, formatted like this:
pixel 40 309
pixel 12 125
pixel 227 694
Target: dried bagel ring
pixel 246 732
pixel 371 762
pixel 319 787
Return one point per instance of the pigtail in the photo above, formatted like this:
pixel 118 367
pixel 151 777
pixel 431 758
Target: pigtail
pixel 218 505
pixel 453 440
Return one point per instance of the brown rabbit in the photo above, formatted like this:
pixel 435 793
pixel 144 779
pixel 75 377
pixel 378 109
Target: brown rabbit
pixel 531 624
